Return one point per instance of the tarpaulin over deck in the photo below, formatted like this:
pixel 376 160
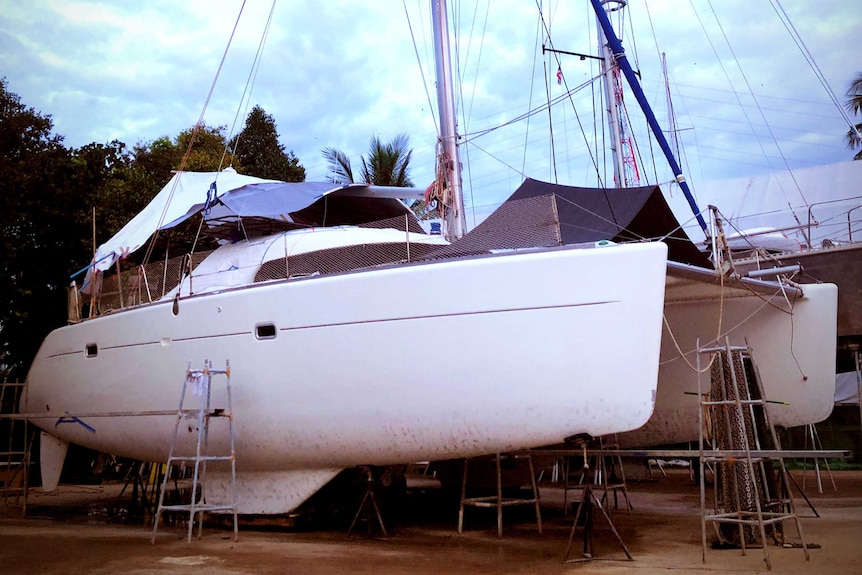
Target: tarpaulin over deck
pixel 540 214
pixel 237 196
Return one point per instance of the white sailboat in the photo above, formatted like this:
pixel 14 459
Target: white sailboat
pixel 539 342
pixel 323 365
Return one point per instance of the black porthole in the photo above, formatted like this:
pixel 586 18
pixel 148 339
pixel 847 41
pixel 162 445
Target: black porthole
pixel 265 331
pixel 92 350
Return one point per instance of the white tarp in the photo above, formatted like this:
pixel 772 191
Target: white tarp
pixel 185 193
pixel 846 388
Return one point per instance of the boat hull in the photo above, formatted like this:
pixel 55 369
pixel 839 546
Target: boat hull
pixel 793 344
pixel 841 265
pixel 416 362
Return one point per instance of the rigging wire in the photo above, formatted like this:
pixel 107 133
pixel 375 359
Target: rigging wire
pixel 466 114
pixel 195 131
pixel 530 100
pixel 797 39
pixel 249 86
pixel 421 69
pixel 556 59
pixel 597 96
pixel 753 96
pixel 554 101
pixel 547 85
pixel 553 166
pixel 681 150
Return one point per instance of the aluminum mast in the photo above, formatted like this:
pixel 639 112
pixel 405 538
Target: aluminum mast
pixel 610 82
pixel 455 220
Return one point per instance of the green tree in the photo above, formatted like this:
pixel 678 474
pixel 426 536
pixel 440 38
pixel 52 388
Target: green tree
pixel 854 105
pixel 208 151
pixel 45 201
pixel 156 159
pixel 261 154
pixel 388 164
pixel 130 183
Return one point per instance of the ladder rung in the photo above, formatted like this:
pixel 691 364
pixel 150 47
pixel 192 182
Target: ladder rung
pixel 200 458
pixel 212 412
pixel 198 507
pixel 741 348
pixel 734 402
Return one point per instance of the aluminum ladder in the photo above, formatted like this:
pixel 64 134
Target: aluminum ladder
pixel 201 382
pixel 16 447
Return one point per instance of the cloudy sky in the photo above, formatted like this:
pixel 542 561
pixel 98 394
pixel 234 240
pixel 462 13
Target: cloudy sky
pixel 335 73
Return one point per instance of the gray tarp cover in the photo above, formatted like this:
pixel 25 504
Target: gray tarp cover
pixel 540 214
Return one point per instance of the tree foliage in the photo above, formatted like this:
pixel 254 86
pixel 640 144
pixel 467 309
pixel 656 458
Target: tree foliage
pixel 207 152
pixel 44 201
pixel 388 164
pixel 261 154
pixel 50 197
pixel 854 105
pixel 340 170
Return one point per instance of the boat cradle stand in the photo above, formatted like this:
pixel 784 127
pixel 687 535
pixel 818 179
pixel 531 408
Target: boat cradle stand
pixel 498 500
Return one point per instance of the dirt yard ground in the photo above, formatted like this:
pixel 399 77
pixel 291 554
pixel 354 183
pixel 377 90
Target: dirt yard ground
pixel 68 533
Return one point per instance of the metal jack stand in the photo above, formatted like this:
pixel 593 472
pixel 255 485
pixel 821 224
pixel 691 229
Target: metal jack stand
pixel 367 499
pixel 592 501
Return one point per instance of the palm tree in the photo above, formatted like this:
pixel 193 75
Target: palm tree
pixel 854 105
pixel 340 171
pixel 387 165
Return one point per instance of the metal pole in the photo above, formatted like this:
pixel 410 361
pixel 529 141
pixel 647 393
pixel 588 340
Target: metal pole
pixel 455 220
pixel 859 385
pixel 609 82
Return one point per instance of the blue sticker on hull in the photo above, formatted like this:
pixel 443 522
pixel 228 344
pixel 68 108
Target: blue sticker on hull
pixel 74 420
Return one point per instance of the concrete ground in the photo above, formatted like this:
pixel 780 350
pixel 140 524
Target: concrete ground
pixel 69 532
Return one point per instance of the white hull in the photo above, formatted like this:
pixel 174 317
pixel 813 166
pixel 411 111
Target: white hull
pixel 795 355
pixel 530 344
